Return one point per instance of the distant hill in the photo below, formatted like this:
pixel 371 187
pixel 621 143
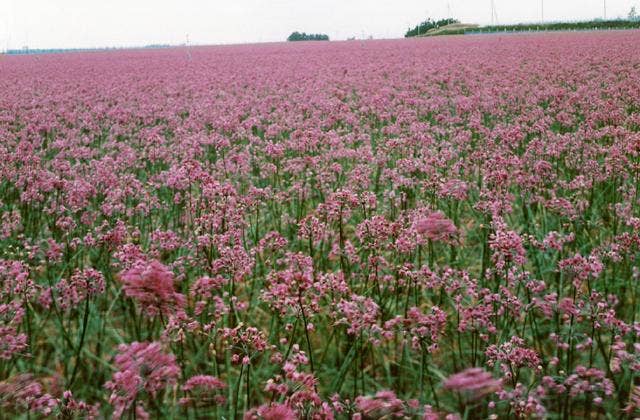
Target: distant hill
pixel 427 25
pixel 453 29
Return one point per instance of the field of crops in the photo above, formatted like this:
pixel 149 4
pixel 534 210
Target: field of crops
pixel 421 228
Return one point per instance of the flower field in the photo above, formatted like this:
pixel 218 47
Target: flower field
pixel 426 228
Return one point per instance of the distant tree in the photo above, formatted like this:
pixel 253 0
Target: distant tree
pixel 297 36
pixel 429 24
pixel 633 14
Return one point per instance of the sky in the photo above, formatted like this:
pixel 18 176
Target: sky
pixel 122 23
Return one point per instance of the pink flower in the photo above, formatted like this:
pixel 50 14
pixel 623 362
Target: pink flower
pixel 512 355
pixel 359 313
pixel 203 391
pixel 203 382
pixel 12 343
pixel 454 188
pixel 424 329
pixel 142 367
pixel 475 381
pixel 436 227
pixel 384 404
pixel 23 393
pixel 151 285
pixel 83 285
pixel 507 246
pixel 272 411
pixel 73 408
pixel 579 268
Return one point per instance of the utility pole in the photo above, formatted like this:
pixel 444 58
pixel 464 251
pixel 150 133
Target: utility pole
pixel 494 15
pixel 492 6
pixel 605 9
pixel 8 38
pixel 187 48
pixel 542 10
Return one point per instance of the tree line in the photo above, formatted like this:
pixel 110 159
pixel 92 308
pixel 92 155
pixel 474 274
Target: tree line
pixel 561 26
pixel 297 36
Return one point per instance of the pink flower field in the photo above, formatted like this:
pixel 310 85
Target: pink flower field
pixel 429 228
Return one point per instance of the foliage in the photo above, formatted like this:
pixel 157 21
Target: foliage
pixel 561 26
pixel 297 36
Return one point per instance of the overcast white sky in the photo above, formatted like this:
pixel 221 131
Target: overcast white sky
pixel 90 23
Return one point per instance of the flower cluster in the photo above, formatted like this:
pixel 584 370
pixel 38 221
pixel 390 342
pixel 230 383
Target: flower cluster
pixel 142 368
pixel 151 286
